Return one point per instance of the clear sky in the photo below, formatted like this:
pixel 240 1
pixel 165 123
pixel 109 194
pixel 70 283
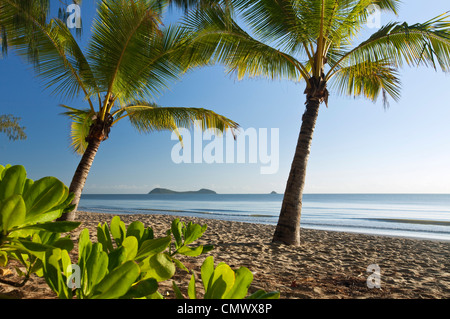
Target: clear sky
pixel 358 147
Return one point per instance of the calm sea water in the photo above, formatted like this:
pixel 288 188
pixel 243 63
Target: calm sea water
pixel 417 216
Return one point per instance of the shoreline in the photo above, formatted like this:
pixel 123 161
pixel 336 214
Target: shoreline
pixel 327 264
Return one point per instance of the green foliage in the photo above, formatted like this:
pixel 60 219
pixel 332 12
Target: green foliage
pixel 222 282
pixel 124 263
pixel 11 127
pixel 129 263
pixel 27 211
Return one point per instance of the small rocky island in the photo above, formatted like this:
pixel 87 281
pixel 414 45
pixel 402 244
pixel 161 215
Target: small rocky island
pixel 168 191
pixel 273 193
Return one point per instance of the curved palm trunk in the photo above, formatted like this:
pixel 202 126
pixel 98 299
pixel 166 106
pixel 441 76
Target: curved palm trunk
pixel 98 133
pixel 80 176
pixel 288 227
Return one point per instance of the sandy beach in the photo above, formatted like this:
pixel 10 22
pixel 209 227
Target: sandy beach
pixel 328 265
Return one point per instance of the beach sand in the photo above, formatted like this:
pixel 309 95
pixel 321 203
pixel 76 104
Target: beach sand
pixel 327 265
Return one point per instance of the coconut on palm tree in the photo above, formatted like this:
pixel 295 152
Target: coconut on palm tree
pixel 129 59
pixel 316 41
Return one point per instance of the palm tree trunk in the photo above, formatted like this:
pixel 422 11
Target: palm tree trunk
pixel 80 176
pixel 288 227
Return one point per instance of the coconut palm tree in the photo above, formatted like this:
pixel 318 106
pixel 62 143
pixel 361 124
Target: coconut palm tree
pixel 129 59
pixel 316 41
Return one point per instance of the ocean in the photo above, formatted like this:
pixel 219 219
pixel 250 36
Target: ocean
pixel 422 216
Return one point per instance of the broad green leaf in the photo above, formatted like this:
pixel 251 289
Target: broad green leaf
pixel 104 237
pixel 179 264
pixel 84 246
pixel 176 229
pixel 156 296
pixel 52 270
pixel 64 244
pixel 43 195
pixel 118 282
pixel 12 182
pixel 153 246
pixel 221 282
pixel 131 247
pixel 27 185
pixel 244 278
pixel 66 263
pixel 136 229
pixel 148 234
pixel 12 212
pixel 192 291
pixel 116 258
pixel 193 232
pixel 44 218
pixel 53 273
pixel 142 289
pixel 118 230
pixel 96 267
pixel 207 270
pixel 55 227
pixel 207 248
pixel 158 266
pixel 188 251
pixel 35 247
pixel 47 237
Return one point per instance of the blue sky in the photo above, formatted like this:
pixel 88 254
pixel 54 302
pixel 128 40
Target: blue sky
pixel 358 147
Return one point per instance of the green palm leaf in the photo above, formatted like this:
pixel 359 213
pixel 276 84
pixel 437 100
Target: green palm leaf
pixel 120 45
pixel 59 61
pixel 419 44
pixel 369 80
pixel 148 117
pixel 216 38
pixel 81 121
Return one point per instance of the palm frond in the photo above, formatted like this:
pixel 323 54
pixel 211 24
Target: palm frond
pixel 216 38
pixel 58 60
pixel 121 44
pixel 149 117
pixel 277 22
pixel 425 44
pixel 163 65
pixel 81 121
pixel 16 25
pixel 370 80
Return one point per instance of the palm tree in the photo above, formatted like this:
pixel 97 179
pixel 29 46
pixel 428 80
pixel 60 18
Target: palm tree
pixel 316 41
pixel 129 59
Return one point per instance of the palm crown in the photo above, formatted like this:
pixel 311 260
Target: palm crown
pixel 313 39
pixel 129 59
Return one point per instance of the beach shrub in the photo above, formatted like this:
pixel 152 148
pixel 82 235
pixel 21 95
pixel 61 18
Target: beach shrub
pixel 98 274
pixel 129 263
pixel 27 212
pixel 123 263
pixel 222 282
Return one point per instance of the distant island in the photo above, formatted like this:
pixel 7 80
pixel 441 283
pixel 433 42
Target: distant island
pixel 273 192
pixel 169 191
